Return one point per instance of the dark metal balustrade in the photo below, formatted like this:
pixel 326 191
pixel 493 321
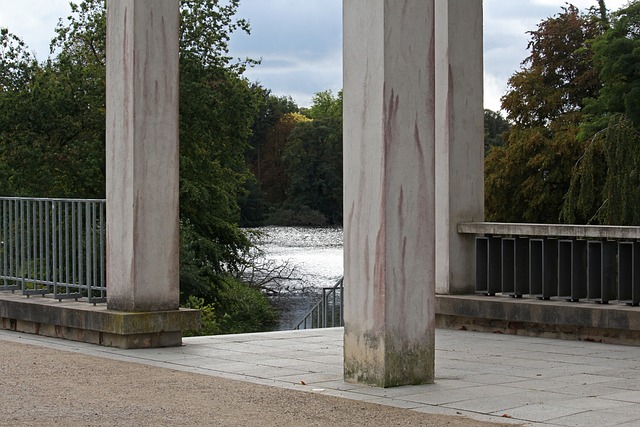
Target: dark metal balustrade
pixel 572 263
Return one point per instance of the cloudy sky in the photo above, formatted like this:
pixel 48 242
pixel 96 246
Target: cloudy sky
pixel 300 41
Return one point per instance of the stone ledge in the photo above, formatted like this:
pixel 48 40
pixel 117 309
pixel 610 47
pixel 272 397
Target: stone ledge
pixel 587 321
pixel 551 230
pixel 85 322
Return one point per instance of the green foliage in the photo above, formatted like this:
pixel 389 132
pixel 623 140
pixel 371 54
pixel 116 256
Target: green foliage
pixel 199 273
pixel 253 207
pixel 206 29
pixel 617 57
pixel 240 309
pixel 622 187
pixel 495 127
pixel 313 159
pixel 297 162
pixel 270 109
pixel 605 184
pixel 573 151
pixel 16 63
pixel 273 174
pixel 209 323
pixel 214 127
pixel 52 138
pixel 583 199
pixel 558 74
pixel 245 309
pixel 527 178
pixel 83 38
pixel 325 105
pixel 605 187
pixel 263 157
pixel 52 132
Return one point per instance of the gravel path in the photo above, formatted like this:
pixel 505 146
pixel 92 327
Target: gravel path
pixel 40 386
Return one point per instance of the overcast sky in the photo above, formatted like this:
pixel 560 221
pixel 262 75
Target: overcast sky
pixel 300 41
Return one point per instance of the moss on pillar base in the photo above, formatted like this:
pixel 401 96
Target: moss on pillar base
pixel 409 363
pixel 95 324
pixel 389 362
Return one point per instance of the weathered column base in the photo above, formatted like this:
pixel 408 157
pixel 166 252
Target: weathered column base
pixel 387 362
pixel 95 324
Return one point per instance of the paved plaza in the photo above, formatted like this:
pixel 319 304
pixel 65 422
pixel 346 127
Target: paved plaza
pixel 486 377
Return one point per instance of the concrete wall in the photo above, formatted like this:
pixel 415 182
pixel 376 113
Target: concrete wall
pixel 607 323
pixel 389 194
pixel 142 155
pixel 459 140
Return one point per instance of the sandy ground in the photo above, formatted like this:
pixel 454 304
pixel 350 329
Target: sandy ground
pixel 40 386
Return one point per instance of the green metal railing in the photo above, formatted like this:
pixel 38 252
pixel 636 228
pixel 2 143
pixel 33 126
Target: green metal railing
pixel 53 247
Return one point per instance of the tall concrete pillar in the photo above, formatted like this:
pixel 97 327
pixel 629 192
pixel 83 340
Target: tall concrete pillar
pixel 459 140
pixel 142 155
pixel 389 194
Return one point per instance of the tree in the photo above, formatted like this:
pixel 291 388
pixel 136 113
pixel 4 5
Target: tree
pixel 527 178
pixel 16 63
pixel 273 175
pixel 494 128
pixel 616 56
pixel 53 145
pixel 52 131
pixel 260 159
pixel 605 187
pixel 313 159
pixel 17 68
pixel 325 106
pixel 558 74
pixel 216 107
pixel 271 108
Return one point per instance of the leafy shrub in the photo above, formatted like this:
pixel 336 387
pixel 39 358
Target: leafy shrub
pixel 209 324
pixel 245 309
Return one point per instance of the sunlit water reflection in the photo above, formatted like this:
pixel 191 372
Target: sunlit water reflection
pixel 315 254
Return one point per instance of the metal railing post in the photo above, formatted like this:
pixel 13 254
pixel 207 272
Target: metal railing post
pixel 320 311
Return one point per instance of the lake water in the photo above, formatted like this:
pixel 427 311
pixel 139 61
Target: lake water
pixel 314 255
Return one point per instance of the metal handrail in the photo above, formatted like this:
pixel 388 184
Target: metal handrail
pixel 328 312
pixel 53 247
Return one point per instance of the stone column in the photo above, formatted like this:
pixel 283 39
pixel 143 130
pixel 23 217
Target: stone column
pixel 389 175
pixel 142 155
pixel 459 140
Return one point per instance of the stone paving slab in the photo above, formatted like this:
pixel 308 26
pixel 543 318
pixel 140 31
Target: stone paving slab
pixel 487 377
